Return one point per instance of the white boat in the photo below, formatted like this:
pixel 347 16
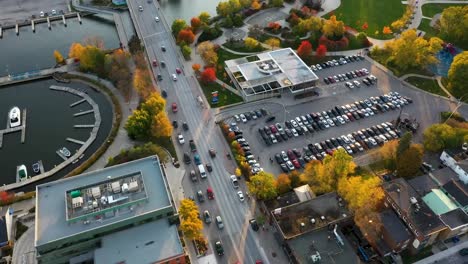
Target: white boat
pixel 65 152
pixel 15 116
pixel 21 173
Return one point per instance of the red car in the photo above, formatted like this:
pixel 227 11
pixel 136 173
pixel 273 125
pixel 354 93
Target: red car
pixel 210 193
pixel 291 155
pixel 273 129
pixel 174 107
pixel 296 164
pixel 178 70
pixel 155 63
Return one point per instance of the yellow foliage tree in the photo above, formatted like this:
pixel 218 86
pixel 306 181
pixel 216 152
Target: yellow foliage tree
pixel 361 193
pixel 397 25
pixel 262 185
pixel 255 5
pixel 251 43
pixel 333 29
pixel 273 43
pixel 238 172
pixel 161 125
pixel 188 209
pixel 207 51
pixel 196 67
pixel 388 153
pixel 142 83
pixel 76 50
pixel 283 183
pixel 190 224
pixel 58 57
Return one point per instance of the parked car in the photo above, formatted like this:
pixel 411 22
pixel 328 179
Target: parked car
pixel 207 216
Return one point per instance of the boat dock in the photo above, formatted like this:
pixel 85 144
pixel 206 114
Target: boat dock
pixel 84 113
pixel 61 155
pixel 41 167
pixel 76 141
pixel 83 126
pixel 9 129
pixel 78 102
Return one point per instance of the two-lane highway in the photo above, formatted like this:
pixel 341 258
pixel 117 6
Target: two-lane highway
pixel 240 241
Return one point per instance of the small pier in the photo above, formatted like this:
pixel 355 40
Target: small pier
pixel 61 155
pixel 41 167
pixel 33 27
pixel 9 129
pixel 76 141
pixel 64 20
pixel 78 102
pixel 84 126
pixel 17 29
pixel 1 32
pixel 79 17
pixel 84 112
pixel 48 23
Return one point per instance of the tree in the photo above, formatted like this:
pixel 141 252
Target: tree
pixel 177 26
pixel 195 23
pixel 76 49
pixel 251 43
pixel 208 75
pixel 138 152
pixel 255 5
pixel 223 9
pixel 142 83
pixel 388 153
pixel 321 51
pixel 404 143
pixel 186 51
pixel 277 3
pixel 453 24
pixel 188 209
pixel 207 51
pixel 458 75
pixel 360 192
pixel 92 60
pixel 365 26
pixel 440 136
pixel 386 30
pixel 333 29
pixel 162 126
pixel 192 228
pixel 245 3
pixel 204 18
pixel 295 178
pixel 196 67
pixel 138 125
pixel 262 185
pixel 58 57
pixel 410 161
pixel 186 35
pixel 273 43
pixel 283 183
pixel 397 25
pixel 154 104
pixel 362 38
pixel 340 164
pixel 305 49
pixel 314 174
pixel 238 172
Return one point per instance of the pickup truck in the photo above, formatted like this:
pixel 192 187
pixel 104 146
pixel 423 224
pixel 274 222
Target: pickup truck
pixel 192 145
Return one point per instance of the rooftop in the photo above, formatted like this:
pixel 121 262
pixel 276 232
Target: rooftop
pixel 439 202
pixel 304 217
pixel 408 204
pixel 395 228
pixel 147 243
pixel 270 71
pixel 283 200
pixel 52 199
pixel 423 184
pixel 458 191
pixel 325 243
pixel 455 218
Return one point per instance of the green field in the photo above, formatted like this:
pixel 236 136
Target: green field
pixel 427 85
pixel 377 14
pixel 225 97
pixel 429 10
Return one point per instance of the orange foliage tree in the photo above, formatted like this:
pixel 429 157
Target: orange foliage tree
pixel 186 35
pixel 208 75
pixel 283 183
pixel 305 49
pixel 387 30
pixel 321 51
pixel 196 67
pixel 76 50
pixel 195 22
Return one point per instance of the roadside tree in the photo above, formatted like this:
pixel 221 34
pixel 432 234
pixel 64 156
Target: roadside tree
pixel 186 51
pixel 162 126
pixel 263 186
pixel 177 26
pixel 283 183
pixel 208 53
pixel 186 35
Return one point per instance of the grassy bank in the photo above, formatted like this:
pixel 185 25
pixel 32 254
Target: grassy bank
pixel 427 85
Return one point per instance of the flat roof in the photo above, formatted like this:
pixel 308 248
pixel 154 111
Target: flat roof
pixel 396 229
pixel 318 241
pixel 439 202
pixel 458 190
pixel 455 219
pixel 147 243
pixel 51 215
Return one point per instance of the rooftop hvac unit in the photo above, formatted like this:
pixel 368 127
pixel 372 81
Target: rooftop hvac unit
pixel 133 186
pixel 316 257
pixel 413 200
pixel 312 220
pixel 104 200
pixel 77 202
pixel 116 187
pixel 124 187
pixel 96 192
pixel 95 204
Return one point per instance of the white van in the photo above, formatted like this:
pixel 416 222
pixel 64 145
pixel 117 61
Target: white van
pixel 202 171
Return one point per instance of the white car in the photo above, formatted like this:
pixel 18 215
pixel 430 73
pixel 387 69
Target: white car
pixel 41 14
pixel 289 165
pixel 284 156
pixel 234 181
pixel 356 83
pixel 237 118
pixel 241 196
pixel 54 12
pixel 349 150
pixel 294 123
pixel 243 118
pixel 181 139
pixel 140 8
pixel 294 132
pixel 156 18
pixel 174 77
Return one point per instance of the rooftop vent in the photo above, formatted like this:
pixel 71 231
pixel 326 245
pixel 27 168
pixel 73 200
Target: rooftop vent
pixel 312 220
pixel 323 218
pixel 302 225
pixel 413 200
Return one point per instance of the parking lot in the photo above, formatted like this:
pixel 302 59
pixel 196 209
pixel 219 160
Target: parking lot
pixel 425 108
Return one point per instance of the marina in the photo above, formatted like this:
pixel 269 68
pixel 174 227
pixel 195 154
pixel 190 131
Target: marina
pixel 9 129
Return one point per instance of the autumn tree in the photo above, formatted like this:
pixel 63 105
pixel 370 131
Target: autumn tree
pixel 251 43
pixel 161 125
pixel 255 5
pixel 58 57
pixel 386 30
pixel 333 29
pixel 410 161
pixel 92 59
pixel 190 224
pixel 262 185
pixel 188 209
pixel 458 75
pixel 310 24
pixel 207 51
pixel 177 26
pixel 283 183
pixel 142 83
pixel 361 193
pixel 295 178
pixel 404 143
pixel 321 51
pixel 76 49
pixel 397 25
pixel 305 49
pixel 277 3
pixel 273 43
pixel 119 72
pixel 195 23
pixel 388 153
pixel 453 24
pixel 238 172
pixel 186 35
pixel 196 67
pixel 186 51
pixel 441 136
pixel 204 18
pixel 208 75
pixel 138 125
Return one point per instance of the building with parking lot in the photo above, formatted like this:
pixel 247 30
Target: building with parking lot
pixel 120 214
pixel 269 73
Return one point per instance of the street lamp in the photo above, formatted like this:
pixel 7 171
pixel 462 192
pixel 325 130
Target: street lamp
pixel 458 106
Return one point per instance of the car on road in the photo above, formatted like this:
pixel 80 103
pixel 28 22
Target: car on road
pixel 193 148
pixel 210 193
pixel 174 107
pixel 187 158
pixel 254 224
pixel 212 152
pixel 207 216
pixel 234 181
pixel 270 119
pixel 140 8
pixel 185 126
pixel 178 70
pixel 155 64
pixel 174 77
pixel 463 252
pixel 241 196
pixel 219 222
pixel 200 196
pixel 181 139
pixel 156 18
pixel 219 248
pixel 209 167
pixel 193 176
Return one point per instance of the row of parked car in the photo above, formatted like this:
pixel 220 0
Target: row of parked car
pixel 353 143
pixel 337 116
pixel 334 63
pixel 252 115
pixel 342 77
pixel 239 137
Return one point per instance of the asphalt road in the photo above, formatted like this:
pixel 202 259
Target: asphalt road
pixel 240 242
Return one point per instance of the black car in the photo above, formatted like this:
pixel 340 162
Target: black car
pixel 288 133
pixel 187 158
pixel 270 119
pixel 185 126
pixel 263 111
pixel 284 136
pixel 278 158
pixel 209 168
pixel 253 224
pixel 288 124
pixel 267 130
pixel 160 77
pixel 301 162
pixel 326 81
pixel 329 144
pixel 284 168
pixel 297 153
pixel 258 113
pixel 175 124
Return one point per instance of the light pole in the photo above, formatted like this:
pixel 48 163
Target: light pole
pixel 456 108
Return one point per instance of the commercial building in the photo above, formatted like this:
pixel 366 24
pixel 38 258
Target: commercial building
pixel 121 214
pixel 269 73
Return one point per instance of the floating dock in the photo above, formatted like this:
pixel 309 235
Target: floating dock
pixel 9 129
pixel 78 102
pixel 84 112
pixel 76 140
pixel 41 167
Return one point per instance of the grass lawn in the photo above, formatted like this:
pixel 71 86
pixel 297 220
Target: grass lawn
pixel 427 85
pixel 223 56
pixel 429 10
pixel 426 27
pixel 225 97
pixel 377 14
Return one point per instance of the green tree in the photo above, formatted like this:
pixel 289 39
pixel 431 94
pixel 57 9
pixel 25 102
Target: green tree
pixel 245 3
pixel 404 143
pixel 263 185
pixel 186 51
pixel 458 75
pixel 237 20
pixel 234 6
pixel 138 125
pixel 388 153
pixel 295 178
pixel 204 17
pixel 454 24
pixel 409 162
pixel 283 183
pixel 277 3
pixel 93 59
pixel 223 9
pixel 177 26
pixel 440 136
pixel 138 152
